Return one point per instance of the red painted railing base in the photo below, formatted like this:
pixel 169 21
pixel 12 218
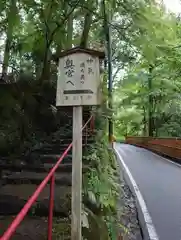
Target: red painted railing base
pixel 120 237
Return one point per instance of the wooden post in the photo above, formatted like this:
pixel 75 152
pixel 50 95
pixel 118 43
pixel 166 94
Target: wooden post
pixel 76 233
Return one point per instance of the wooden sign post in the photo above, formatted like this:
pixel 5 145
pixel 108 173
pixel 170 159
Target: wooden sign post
pixel 78 85
pixel 77 174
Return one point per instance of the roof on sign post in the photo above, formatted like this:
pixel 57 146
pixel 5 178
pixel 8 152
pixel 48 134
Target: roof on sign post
pixel 92 52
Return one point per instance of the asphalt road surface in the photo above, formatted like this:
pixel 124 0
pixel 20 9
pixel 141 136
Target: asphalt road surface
pixel 159 182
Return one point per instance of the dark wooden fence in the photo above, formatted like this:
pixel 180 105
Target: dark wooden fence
pixel 165 146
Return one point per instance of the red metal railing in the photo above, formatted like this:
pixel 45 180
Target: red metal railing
pixel 50 177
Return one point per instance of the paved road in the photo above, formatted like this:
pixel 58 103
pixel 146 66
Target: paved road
pixel 159 182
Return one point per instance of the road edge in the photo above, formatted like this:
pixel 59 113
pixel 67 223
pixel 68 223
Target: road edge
pixel 149 231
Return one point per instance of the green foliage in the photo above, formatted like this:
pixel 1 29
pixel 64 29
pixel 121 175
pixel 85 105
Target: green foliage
pixel 23 107
pixel 101 179
pixel 101 188
pixel 147 97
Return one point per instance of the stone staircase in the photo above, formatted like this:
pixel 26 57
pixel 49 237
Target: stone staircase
pixel 20 179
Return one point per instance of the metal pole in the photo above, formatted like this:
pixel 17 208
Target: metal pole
pixel 107 19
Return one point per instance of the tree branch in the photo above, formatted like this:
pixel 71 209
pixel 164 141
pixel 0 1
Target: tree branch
pixel 87 26
pixel 115 74
pixel 59 25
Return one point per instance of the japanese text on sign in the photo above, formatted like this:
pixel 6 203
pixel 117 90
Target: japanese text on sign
pixel 78 80
pixel 69 69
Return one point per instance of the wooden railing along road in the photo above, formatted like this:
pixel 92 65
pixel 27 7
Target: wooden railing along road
pixel 170 147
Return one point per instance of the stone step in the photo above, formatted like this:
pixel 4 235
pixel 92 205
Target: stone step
pixel 39 168
pixel 14 197
pixel 88 134
pixel 66 141
pixel 46 167
pixel 63 179
pixel 56 149
pixel 52 149
pixel 53 158
pixel 36 228
pixel 47 156
pixel 63 145
pixel 65 167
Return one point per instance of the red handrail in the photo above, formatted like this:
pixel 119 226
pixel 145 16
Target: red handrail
pixel 13 226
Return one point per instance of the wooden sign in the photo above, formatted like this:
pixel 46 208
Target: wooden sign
pixel 78 80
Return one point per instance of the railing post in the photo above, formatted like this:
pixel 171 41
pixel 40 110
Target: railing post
pixel 51 203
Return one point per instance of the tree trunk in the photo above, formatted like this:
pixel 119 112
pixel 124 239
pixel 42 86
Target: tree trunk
pixel 68 37
pixel 150 104
pixel 70 31
pixel 45 75
pixel 144 122
pixel 6 57
pixel 9 36
pixel 87 26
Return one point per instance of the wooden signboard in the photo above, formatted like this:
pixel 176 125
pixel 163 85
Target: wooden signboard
pixel 79 79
